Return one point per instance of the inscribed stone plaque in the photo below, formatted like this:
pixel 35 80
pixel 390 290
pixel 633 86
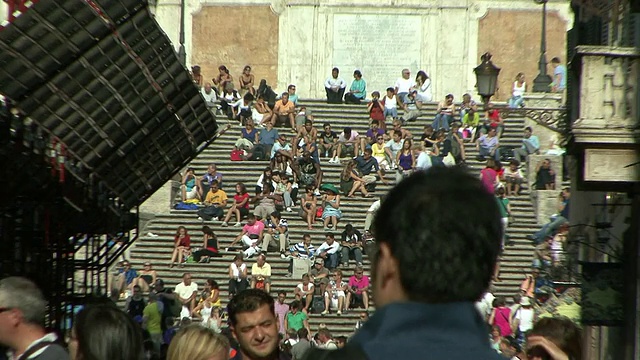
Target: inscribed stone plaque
pixel 378 45
pixel 620 165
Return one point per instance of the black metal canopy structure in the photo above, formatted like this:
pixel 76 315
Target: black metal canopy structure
pixel 104 79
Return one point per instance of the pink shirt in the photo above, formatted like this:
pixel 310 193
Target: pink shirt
pixel 359 284
pixel 281 310
pixel 489 179
pixel 254 229
pixel 501 320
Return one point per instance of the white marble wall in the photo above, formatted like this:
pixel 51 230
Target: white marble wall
pixel 444 42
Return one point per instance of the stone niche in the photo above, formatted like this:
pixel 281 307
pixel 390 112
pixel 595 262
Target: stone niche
pixel 556 165
pixel 235 36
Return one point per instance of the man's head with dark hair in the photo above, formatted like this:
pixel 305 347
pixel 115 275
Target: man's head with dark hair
pixel 253 323
pixel 561 331
pixel 303 333
pixel 555 60
pixel 422 255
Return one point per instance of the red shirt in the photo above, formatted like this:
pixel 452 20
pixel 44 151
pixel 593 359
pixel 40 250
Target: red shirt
pixel 239 198
pixel 494 116
pixel 186 241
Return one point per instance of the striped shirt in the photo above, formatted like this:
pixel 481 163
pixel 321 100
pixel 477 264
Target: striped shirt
pixel 302 252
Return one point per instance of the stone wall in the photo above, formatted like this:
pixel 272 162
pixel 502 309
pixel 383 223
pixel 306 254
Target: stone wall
pixel 298 42
pixel 513 37
pixel 235 36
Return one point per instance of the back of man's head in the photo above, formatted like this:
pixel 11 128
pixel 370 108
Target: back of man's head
pixel 22 294
pixel 444 231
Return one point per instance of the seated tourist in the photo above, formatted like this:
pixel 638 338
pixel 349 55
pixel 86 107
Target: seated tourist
pixel 335 294
pixel 251 236
pixel 335 87
pixel 532 283
pixel 331 212
pixel 308 206
pixel 276 232
pixel 228 97
pixel 492 120
pixel 488 145
pixel 557 220
pixel 411 106
pixel 329 251
pixel 357 91
pixel 371 135
pixel 261 274
pixel 444 114
pixel 328 140
pixel 397 128
pixel 513 178
pixel 383 155
pixel 215 202
pixel 237 275
pixel 267 92
pixel 189 186
pixel 296 319
pixel 319 274
pixel 223 80
pixel 261 111
pixel 545 176
pixel 347 144
pixel 282 147
pixel 307 170
pixel 375 108
pixel 205 180
pixel 241 109
pixel 209 247
pixel 428 136
pixel 248 137
pixel 196 76
pixel 405 160
pixel 284 112
pixel 146 277
pixel 394 146
pixel 467 104
pixel 305 140
pixel 246 81
pixel 542 255
pixel 391 104
pixel 304 293
pixel 293 97
pixel 284 189
pixel 357 290
pixel 240 207
pixel 267 137
pixel 367 164
pixel 423 85
pixel 124 279
pixel 441 149
pixel 530 145
pixel 404 84
pixel 265 203
pixel 303 115
pixel 210 96
pixel 517 92
pixel 186 292
pixel 489 176
pixel 351 244
pixel 351 180
pixel 181 247
pixel 470 123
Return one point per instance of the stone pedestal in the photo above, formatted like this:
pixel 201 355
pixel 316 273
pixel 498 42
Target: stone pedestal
pixel 545 204
pixel 160 202
pixel 543 100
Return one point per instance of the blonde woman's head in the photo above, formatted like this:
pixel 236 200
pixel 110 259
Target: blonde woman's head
pixel 195 342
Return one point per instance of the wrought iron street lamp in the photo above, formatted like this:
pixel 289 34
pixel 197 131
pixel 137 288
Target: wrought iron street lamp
pixel 486 78
pixel 182 53
pixel 542 82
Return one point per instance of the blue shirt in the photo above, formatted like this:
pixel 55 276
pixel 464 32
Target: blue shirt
pixel 533 140
pixel 359 88
pixel 411 330
pixel 562 71
pixel 268 137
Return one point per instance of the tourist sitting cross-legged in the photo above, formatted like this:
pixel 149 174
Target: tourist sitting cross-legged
pixel 214 202
pixel 308 170
pixel 488 145
pixel 335 294
pixel 329 251
pixel 347 145
pixel 351 244
pixel 251 236
pixel 146 277
pixel 181 246
pixel 335 87
pixel 406 161
pixel 240 207
pixel 357 290
pixel 237 275
pixel 209 246
pixel 265 203
pixel 367 164
pixel 331 212
pixel 241 109
pixel 302 250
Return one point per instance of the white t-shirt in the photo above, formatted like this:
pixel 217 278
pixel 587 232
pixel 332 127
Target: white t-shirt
pixel 390 103
pixel 485 304
pixel 236 271
pixel 526 317
pixel 404 85
pixel 374 207
pixel 303 291
pixel 519 90
pixel 185 291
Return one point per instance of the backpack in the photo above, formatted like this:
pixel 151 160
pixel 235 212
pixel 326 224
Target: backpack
pixel 236 155
pixel 185 206
pixel 317 304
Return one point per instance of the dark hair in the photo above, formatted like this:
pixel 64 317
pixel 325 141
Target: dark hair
pixel 335 69
pixel 391 89
pixel 561 331
pixel 421 74
pixel 326 124
pixel 438 198
pixel 295 304
pixel 347 130
pixel 249 300
pixel 499 302
pixel 528 128
pixel 303 333
pixel 290 86
pixel 555 60
pixel 223 68
pixel 105 332
pixel 375 122
pixel 214 182
pixel 243 188
pixel 207 230
pixel 368 151
pixel 282 292
pixel 213 283
pixel 251 216
pixel 348 227
pixel 330 234
pixel 357 73
pixel 248 97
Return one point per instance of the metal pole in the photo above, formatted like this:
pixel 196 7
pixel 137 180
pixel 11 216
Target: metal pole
pixel 182 53
pixel 543 80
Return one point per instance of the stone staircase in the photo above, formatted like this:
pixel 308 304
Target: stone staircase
pixel 157 249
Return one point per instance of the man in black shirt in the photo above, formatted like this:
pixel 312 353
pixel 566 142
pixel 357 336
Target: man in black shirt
pixel 308 170
pixel 368 164
pixel 135 303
